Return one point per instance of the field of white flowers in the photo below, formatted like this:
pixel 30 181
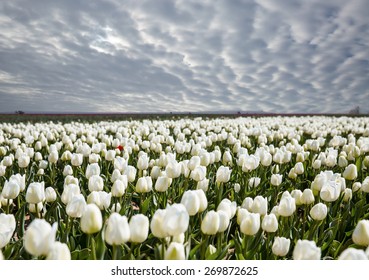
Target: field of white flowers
pixel 226 188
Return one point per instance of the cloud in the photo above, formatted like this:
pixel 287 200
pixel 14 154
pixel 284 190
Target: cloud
pixel 112 56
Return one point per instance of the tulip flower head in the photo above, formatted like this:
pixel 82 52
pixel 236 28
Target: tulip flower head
pixel 175 251
pixel 360 236
pixel 139 228
pixel 211 222
pixel 39 237
pixel 7 228
pixel 353 254
pixel 58 251
pixel 281 246
pixel 117 230
pixel 223 174
pixel 176 219
pixel 306 250
pixel 35 193
pixel 91 220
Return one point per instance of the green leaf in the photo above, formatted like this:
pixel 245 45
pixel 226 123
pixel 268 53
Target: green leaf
pixel 145 205
pixel 83 254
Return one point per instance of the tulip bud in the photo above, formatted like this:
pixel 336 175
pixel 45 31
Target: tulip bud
pixel 163 183
pixel 306 250
pixel 92 169
pixel 360 236
pixel 2 171
pixel 77 159
pixel 117 230
pixel 254 182
pixel 67 155
pixel 100 198
pixel 93 158
pixel 227 158
pixel 35 193
pixel 7 161
pixel 296 194
pixel 155 172
pixel 276 179
pixel 69 191
pixel 199 173
pixel 223 174
pixel 91 220
pixel 157 224
pixel 40 172
pixel 119 186
pixel 210 251
pixel 11 189
pixel 175 251
pixel 130 171
pixel 353 254
pixel 173 169
pixel 203 185
pixel 269 223
pixel 110 155
pixel 95 183
pixel 43 164
pixel 350 172
pixel 241 214
pixel 68 170
pixel 58 251
pixel 227 206
pixel 203 200
pixel 250 225
pixel 193 162
pixel 299 168
pixel 355 187
pixel 23 161
pixel 7 228
pixel 260 205
pixel 143 162
pixel 307 197
pixel 53 156
pixel 50 194
pixel 281 246
pixel 191 201
pixel 287 206
pixel 319 211
pixel 176 219
pixel 365 185
pixel 144 184
pixel 139 228
pixel 317 164
pixel 76 206
pixel 236 187
pixel 39 237
pixel 347 195
pixel 223 220
pixel 211 222
pixel 342 161
pixel 330 191
pixel 247 203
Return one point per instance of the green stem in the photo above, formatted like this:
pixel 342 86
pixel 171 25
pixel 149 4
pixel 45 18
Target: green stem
pixel 163 248
pixel 8 206
pixel 114 252
pixel 91 241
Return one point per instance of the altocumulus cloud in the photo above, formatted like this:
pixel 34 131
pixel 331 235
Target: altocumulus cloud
pixel 184 55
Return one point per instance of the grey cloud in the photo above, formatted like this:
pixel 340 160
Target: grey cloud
pixel 270 55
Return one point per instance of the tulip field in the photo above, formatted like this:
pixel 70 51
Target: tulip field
pixel 259 188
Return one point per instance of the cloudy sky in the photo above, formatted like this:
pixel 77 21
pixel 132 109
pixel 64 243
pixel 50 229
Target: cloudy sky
pixel 286 56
